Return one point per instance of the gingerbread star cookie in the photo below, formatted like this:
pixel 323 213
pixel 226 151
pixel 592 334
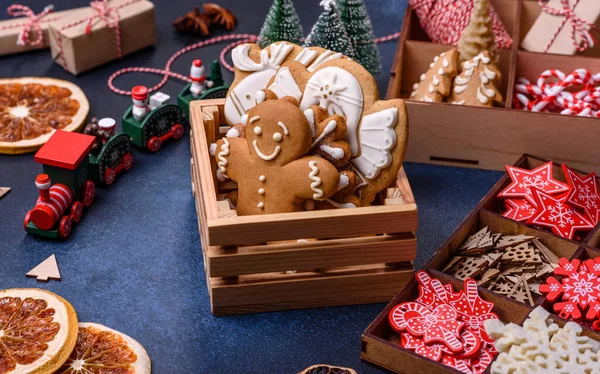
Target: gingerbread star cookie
pixel 436 83
pixel 270 165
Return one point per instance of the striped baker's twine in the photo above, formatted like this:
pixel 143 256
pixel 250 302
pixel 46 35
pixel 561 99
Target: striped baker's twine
pixel 33 22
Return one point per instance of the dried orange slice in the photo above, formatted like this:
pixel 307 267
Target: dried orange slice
pixel 38 331
pixel 31 109
pixel 101 350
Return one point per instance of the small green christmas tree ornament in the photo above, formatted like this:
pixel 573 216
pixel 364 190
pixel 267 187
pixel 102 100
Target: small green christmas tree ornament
pixel 329 32
pixel 282 24
pixel 360 30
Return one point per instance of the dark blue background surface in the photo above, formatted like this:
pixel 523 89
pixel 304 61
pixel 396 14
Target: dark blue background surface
pixel 135 264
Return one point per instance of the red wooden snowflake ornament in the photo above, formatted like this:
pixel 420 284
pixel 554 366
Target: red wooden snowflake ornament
pixel 558 215
pixel 523 181
pixel 583 193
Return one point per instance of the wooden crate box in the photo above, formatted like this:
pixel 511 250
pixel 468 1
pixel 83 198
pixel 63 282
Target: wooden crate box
pixel 302 259
pixel 381 344
pixel 490 138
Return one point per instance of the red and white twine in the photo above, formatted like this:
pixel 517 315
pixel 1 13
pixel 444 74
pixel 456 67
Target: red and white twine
pixel 444 20
pixel 580 31
pixel 577 93
pixel 33 22
pixel 103 12
pixel 166 72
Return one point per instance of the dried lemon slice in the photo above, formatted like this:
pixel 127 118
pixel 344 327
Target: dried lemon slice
pixel 31 109
pixel 101 350
pixel 38 331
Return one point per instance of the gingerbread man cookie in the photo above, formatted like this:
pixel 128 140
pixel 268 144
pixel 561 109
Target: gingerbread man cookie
pixel 270 166
pixel 436 83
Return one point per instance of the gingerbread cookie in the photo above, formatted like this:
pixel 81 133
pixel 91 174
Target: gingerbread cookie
pixel 270 166
pixel 477 83
pixel 436 83
pixel 329 136
pixel 377 131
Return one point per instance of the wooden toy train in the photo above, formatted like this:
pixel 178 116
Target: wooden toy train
pixel 73 163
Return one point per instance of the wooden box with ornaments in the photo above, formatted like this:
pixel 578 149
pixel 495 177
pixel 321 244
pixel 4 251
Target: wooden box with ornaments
pixel 511 264
pixel 489 137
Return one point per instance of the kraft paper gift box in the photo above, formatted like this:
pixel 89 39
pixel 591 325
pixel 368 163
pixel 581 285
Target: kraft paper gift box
pixel 12 30
pixel 102 33
pixel 553 33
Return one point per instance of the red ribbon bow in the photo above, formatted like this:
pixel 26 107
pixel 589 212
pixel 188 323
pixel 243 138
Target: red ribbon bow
pixel 110 16
pixel 17 10
pixel 580 34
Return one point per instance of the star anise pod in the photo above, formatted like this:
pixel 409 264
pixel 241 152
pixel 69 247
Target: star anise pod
pixel 200 23
pixel 220 15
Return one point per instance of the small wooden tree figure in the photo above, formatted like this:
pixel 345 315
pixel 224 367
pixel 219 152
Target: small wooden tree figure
pixel 436 83
pixel 329 31
pixel 478 82
pixel 478 36
pixel 282 24
pixel 360 30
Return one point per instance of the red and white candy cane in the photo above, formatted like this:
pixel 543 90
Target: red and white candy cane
pixel 32 23
pixel 166 72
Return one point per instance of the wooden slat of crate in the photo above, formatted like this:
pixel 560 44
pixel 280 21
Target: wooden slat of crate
pixel 269 292
pixel 308 256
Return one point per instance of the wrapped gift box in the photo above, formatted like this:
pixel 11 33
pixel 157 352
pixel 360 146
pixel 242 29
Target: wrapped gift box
pixel 553 33
pixel 102 33
pixel 11 31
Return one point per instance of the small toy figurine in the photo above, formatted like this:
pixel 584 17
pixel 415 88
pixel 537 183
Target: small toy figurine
pixel 198 77
pixel 139 96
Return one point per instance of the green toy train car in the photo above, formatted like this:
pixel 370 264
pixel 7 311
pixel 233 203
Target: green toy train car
pixel 213 86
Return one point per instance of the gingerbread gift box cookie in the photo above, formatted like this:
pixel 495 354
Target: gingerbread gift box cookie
pixel 270 165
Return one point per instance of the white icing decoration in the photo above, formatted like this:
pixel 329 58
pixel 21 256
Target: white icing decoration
pixel 346 98
pixel 285 84
pixel 283 127
pixel 431 89
pixel 244 120
pixel 242 97
pixel 316 181
pixel 436 58
pixel 441 71
pixel 277 137
pixel 344 181
pixel 221 156
pixel 324 57
pixel 310 117
pixel 306 56
pixel 377 139
pixel 488 73
pixel 427 99
pixel 262 155
pixel 483 78
pixel 262 178
pixel 212 149
pixel 415 86
pixel 339 205
pixel 481 97
pixel 254 119
pixel 261 191
pixel 261 205
pixel 220 176
pixel 436 81
pixel 460 89
pixel 334 152
pixel 461 102
pixel 431 65
pixel 423 77
pixel 260 97
pixel 445 63
pixel 328 130
pixel 258 130
pixel 461 81
pixel 232 133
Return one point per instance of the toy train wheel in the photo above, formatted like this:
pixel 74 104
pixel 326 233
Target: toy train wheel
pixel 154 144
pixel 76 211
pixel 64 229
pixel 109 176
pixel 89 191
pixel 177 131
pixel 26 221
pixel 128 161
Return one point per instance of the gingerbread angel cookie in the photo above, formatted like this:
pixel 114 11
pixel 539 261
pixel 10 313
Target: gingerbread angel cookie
pixel 270 165
pixel 436 83
pixel 329 136
pixel 478 82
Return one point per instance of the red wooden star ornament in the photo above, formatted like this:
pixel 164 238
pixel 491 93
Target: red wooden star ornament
pixel 555 213
pixel 584 193
pixel 523 181
pixel 519 209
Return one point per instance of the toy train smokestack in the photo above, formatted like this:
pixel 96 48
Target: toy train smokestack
pixel 52 203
